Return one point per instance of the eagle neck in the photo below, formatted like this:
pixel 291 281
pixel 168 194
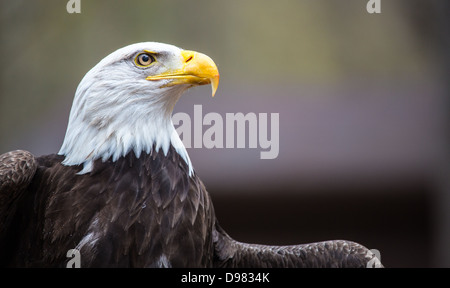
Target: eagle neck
pixel 138 124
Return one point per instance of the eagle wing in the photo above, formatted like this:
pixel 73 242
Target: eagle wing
pixel 230 253
pixel 17 169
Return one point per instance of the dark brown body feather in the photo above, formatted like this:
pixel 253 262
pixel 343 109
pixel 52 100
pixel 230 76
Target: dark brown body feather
pixel 144 212
pixel 135 212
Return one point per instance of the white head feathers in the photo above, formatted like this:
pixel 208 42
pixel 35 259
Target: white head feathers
pixel 120 106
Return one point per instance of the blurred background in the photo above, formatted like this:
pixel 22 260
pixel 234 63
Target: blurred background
pixel 363 101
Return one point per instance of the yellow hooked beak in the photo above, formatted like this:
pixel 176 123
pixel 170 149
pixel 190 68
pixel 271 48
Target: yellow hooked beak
pixel 198 69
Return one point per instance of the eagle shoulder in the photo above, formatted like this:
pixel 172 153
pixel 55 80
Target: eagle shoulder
pixel 17 169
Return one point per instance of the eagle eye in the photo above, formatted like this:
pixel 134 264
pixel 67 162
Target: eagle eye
pixel 144 59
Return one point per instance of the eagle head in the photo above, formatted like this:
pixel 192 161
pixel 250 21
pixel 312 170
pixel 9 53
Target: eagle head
pixel 125 103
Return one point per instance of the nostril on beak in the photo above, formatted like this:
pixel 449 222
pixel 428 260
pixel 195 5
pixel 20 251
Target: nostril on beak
pixel 189 59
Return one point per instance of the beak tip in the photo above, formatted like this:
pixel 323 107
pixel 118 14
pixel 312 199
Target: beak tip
pixel 214 84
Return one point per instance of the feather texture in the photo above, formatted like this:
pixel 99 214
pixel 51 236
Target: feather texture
pixel 135 212
pixel 132 212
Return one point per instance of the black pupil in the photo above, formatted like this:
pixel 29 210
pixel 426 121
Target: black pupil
pixel 145 58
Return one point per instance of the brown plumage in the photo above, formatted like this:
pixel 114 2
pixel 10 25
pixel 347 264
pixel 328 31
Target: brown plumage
pixel 144 212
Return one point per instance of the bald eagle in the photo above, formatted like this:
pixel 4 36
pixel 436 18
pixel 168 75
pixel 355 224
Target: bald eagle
pixel 122 189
